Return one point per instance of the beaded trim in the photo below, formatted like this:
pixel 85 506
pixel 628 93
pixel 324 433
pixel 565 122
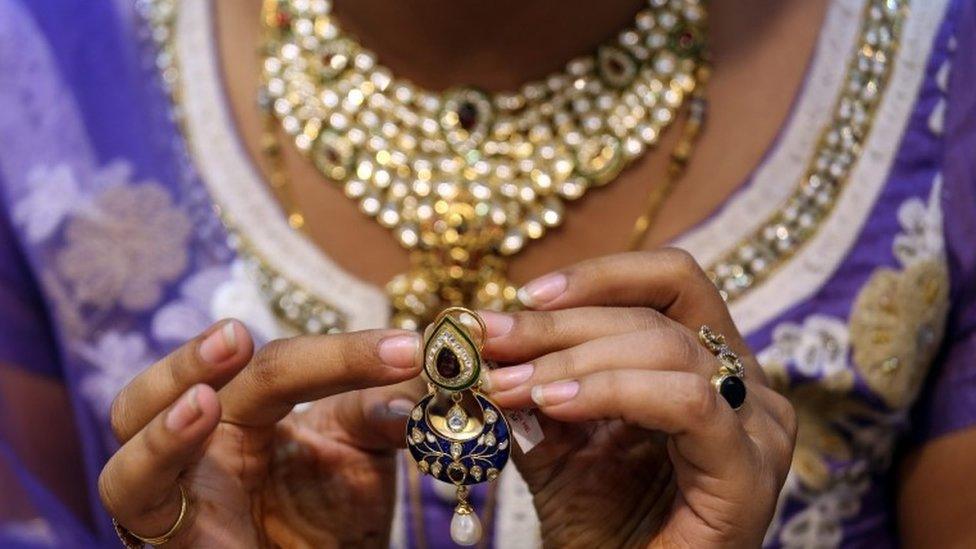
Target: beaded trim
pixel 839 147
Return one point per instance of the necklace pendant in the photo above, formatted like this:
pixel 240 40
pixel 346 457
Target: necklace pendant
pixel 433 284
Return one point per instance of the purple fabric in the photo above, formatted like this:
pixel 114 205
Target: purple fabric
pixel 25 335
pixel 950 402
pixel 84 117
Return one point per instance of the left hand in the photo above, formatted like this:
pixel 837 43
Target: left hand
pixel 644 452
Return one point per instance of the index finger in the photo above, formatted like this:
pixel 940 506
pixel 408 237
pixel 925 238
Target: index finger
pixel 302 369
pixel 213 358
pixel 668 280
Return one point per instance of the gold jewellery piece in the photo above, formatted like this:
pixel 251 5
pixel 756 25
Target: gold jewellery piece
pixel 728 381
pixel 131 540
pixel 455 433
pixel 465 178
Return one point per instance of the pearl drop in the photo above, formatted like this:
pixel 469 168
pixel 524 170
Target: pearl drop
pixel 465 529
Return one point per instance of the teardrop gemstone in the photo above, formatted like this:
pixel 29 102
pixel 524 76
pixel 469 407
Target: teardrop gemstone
pixel 448 365
pixel 467 115
pixel 457 419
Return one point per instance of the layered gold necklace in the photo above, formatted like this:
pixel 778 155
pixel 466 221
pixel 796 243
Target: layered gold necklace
pixel 465 178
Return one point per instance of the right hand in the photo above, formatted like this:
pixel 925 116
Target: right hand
pixel 217 418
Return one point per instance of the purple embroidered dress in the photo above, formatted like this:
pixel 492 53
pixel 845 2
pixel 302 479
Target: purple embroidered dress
pixel 111 255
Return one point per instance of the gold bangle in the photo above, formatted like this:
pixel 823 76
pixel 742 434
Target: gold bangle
pixel 131 540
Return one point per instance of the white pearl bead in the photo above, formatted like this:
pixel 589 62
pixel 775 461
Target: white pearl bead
pixel 465 529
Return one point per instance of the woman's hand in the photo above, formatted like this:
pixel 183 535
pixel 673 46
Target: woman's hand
pixel 644 451
pixel 218 421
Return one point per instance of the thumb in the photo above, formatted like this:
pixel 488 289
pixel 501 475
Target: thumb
pixel 376 419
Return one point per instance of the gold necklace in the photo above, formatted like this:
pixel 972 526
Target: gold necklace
pixel 465 178
pixel 744 266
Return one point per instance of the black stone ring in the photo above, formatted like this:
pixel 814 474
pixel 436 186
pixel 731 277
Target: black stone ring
pixel 732 388
pixel 728 381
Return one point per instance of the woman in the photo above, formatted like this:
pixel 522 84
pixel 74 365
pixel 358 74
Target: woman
pixel 835 229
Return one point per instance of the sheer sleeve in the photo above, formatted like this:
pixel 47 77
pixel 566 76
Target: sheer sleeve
pixel 25 335
pixel 42 494
pixel 949 401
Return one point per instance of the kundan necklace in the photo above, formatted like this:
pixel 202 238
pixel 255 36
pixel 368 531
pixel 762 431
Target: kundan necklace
pixel 466 178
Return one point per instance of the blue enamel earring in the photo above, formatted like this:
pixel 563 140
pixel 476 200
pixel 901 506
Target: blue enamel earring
pixel 455 433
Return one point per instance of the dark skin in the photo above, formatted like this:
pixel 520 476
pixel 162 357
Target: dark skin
pixel 769 64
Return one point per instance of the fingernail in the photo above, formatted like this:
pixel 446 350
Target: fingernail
pixel 186 411
pixel 498 324
pixel 398 408
pixel 399 351
pixel 554 393
pixel 542 290
pixel 504 379
pixel 220 345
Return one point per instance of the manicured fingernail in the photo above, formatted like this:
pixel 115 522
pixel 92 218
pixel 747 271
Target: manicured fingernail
pixel 542 290
pixel 504 379
pixel 186 411
pixel 220 345
pixel 554 393
pixel 399 351
pixel 498 324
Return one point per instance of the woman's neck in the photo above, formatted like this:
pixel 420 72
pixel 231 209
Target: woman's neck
pixel 501 44
pixel 496 45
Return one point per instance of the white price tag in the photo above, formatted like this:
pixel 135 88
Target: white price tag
pixel 525 428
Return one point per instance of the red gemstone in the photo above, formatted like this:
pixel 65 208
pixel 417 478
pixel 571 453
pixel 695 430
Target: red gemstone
pixel 686 40
pixel 448 365
pixel 282 19
pixel 467 115
pixel 332 155
pixel 615 66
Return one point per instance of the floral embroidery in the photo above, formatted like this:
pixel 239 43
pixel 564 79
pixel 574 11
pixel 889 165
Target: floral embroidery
pixel 920 238
pixel 117 357
pixel 819 523
pixel 53 194
pixel 818 348
pixel 898 318
pixel 125 247
pixel 212 294
pixel 892 335
pixel 896 325
pixel 936 119
pixel 183 318
pixel 65 310
pixel 240 297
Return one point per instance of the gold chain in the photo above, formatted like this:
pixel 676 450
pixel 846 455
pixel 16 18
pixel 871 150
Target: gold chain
pixel 677 163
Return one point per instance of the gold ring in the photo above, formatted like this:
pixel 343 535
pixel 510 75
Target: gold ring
pixel 131 540
pixel 728 380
